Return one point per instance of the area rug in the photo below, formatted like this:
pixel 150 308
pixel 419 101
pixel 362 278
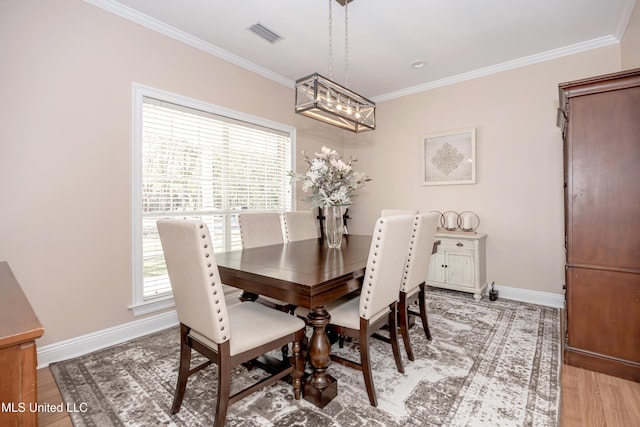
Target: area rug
pixel 489 364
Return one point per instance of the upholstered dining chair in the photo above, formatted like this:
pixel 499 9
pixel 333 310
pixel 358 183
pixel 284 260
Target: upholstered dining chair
pixel 360 317
pixel 299 225
pixel 226 336
pixel 262 229
pixel 391 212
pixel 415 273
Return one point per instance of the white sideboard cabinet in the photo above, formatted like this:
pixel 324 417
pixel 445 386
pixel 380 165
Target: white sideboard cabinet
pixel 459 263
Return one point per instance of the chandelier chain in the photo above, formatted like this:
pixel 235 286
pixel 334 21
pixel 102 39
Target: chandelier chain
pixel 346 44
pixel 330 41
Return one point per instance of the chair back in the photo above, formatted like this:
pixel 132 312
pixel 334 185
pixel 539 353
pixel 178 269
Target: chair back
pixel 419 253
pixel 391 212
pixel 194 277
pixel 260 229
pixel 300 225
pixel 387 255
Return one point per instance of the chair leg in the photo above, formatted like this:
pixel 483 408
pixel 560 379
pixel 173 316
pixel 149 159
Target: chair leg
pixel 423 312
pixel 224 385
pixel 393 334
pixel 183 369
pixel 298 364
pixel 366 363
pixel 403 314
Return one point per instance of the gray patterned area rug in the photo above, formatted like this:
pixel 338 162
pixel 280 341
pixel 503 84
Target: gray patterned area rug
pixel 489 364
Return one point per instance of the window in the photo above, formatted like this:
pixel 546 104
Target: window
pixel 197 161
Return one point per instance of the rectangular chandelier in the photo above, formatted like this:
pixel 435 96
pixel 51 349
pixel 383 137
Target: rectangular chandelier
pixel 322 99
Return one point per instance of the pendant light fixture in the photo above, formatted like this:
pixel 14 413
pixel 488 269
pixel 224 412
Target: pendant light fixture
pixel 323 99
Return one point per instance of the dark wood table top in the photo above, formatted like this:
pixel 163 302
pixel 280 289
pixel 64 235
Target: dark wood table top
pixel 306 273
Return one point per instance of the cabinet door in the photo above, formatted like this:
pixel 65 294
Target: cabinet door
pixel 603 311
pixel 459 269
pixel 436 268
pixel 603 193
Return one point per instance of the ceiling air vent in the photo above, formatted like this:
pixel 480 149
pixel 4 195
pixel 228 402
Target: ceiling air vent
pixel 265 33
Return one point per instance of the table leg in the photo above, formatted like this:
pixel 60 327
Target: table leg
pixel 320 388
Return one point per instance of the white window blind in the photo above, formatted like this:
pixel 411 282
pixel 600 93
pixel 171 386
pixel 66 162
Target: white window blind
pixel 201 165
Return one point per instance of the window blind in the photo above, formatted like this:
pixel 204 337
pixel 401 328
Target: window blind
pixel 200 165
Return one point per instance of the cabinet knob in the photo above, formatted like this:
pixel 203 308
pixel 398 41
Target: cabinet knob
pixel 459 244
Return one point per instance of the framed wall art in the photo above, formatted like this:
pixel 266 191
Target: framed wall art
pixel 449 158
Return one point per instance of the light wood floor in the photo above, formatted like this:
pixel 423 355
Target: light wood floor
pixel 589 399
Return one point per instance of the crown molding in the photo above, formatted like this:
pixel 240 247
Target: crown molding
pixel 155 25
pixel 181 36
pixel 626 9
pixel 509 65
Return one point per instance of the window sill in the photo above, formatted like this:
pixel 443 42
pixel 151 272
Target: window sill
pixel 152 305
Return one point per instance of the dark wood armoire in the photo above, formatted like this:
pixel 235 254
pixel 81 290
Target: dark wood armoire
pixel 600 121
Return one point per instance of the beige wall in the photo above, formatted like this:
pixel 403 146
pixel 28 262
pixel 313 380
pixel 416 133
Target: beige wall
pixel 67 70
pixel 631 41
pixel 519 190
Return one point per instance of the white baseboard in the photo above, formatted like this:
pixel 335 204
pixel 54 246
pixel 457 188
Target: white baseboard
pixel 94 341
pixel 526 295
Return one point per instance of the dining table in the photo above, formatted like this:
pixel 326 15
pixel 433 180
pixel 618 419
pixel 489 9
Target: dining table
pixel 309 274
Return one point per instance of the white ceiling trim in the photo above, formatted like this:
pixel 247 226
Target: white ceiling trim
pixel 181 36
pixel 155 25
pixel 625 14
pixel 509 65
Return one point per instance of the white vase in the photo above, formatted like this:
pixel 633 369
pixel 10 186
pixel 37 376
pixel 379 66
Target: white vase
pixel 333 226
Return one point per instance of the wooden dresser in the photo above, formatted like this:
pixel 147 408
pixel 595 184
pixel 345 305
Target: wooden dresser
pixel 600 119
pixel 19 328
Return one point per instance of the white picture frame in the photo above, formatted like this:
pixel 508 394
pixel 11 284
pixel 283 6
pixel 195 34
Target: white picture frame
pixel 449 158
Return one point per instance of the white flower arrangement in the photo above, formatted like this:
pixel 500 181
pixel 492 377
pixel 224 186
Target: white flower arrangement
pixel 330 180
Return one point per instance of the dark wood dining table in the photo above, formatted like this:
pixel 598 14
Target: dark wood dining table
pixel 307 274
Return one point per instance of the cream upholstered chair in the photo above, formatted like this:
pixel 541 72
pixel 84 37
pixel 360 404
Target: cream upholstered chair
pixel 415 273
pixel 227 336
pixel 391 212
pixel 260 229
pixel 360 317
pixel 300 225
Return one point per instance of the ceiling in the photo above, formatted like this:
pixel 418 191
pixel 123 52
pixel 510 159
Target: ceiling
pixel 456 39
